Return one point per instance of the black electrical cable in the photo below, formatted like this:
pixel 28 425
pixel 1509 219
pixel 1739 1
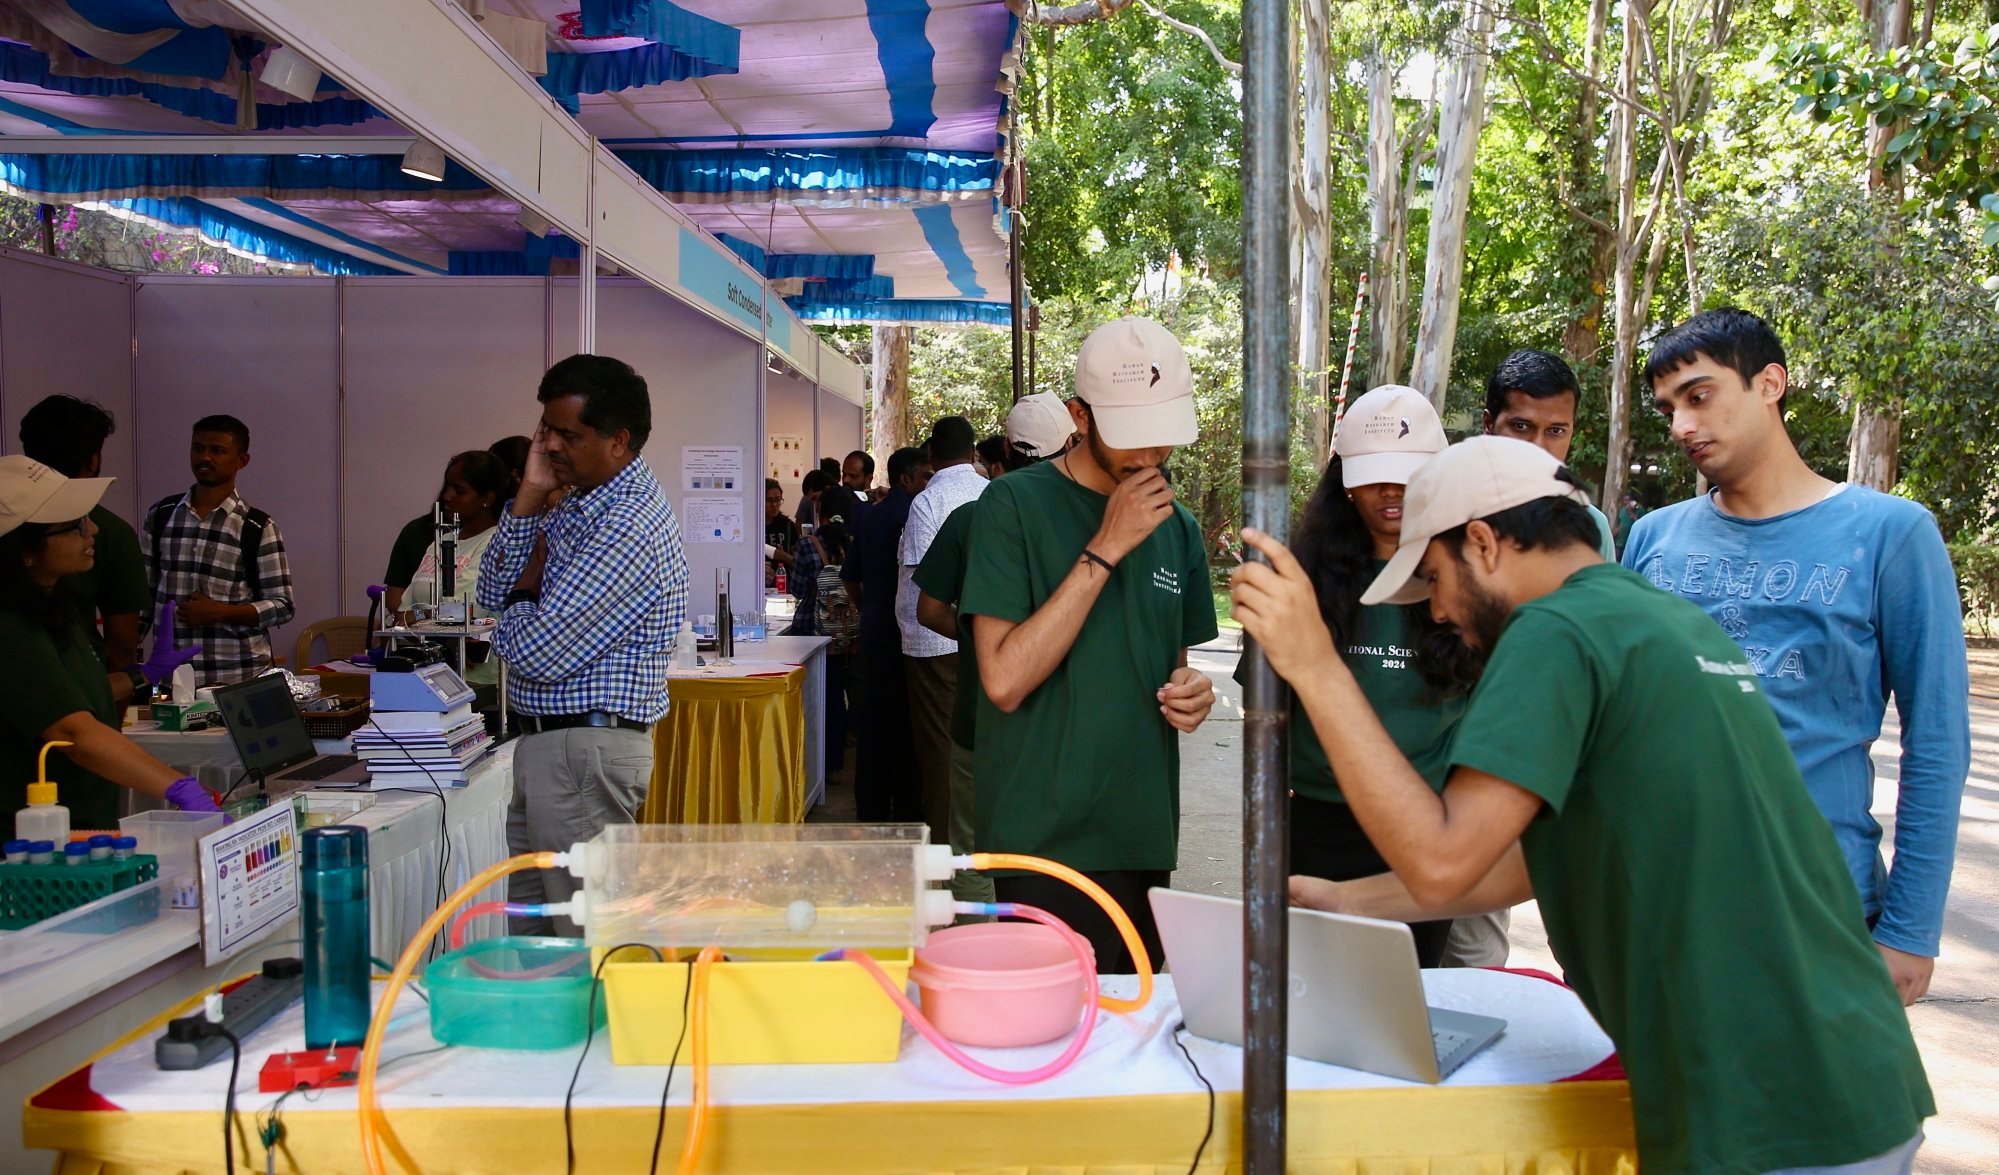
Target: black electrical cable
pixel 589 1035
pixel 1210 1131
pixel 659 1128
pixel 229 1099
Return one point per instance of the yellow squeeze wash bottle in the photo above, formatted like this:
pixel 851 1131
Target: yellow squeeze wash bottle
pixel 43 818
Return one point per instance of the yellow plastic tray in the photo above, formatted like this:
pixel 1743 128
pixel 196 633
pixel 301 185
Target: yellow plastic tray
pixel 765 1007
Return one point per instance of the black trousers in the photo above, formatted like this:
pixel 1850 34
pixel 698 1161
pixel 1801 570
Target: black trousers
pixel 885 785
pixel 1327 841
pixel 1126 887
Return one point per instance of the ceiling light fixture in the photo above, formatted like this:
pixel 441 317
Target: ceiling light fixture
pixel 425 161
pixel 288 70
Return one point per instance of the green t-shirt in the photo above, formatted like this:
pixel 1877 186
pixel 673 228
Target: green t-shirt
pixel 1689 886
pixel 941 576
pixel 1382 658
pixel 1606 544
pixel 42 684
pixel 1086 771
pixel 412 543
pixel 116 583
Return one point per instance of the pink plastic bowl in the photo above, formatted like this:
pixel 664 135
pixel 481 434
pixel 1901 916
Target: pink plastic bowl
pixel 1000 984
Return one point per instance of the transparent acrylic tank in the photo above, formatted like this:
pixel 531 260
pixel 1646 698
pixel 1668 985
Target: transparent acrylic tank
pixel 819 886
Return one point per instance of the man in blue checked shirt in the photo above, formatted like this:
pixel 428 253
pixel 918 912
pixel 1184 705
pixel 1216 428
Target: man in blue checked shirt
pixel 588 576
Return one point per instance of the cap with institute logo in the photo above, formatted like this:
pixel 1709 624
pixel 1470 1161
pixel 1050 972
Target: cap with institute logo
pixel 32 492
pixel 1472 479
pixel 1039 426
pixel 1135 377
pixel 1386 436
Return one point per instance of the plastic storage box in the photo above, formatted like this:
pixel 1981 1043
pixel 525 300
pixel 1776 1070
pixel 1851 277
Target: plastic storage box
pixel 512 993
pixel 31 893
pixel 170 836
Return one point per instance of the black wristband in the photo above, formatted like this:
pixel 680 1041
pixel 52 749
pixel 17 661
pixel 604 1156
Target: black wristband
pixel 521 596
pixel 1099 560
pixel 141 684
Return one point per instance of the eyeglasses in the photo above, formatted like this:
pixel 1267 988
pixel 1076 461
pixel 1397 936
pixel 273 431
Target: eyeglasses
pixel 66 528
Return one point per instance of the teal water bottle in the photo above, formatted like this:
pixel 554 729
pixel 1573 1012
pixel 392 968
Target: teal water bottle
pixel 333 882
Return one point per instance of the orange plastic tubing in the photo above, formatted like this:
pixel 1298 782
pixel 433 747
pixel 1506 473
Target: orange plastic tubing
pixel 1061 872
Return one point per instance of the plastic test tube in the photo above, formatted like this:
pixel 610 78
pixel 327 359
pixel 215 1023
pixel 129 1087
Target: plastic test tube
pixel 42 852
pixel 76 852
pixel 17 852
pixel 124 848
pixel 100 847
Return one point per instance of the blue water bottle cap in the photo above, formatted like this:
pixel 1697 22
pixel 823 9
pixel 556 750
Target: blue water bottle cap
pixel 100 841
pixel 336 846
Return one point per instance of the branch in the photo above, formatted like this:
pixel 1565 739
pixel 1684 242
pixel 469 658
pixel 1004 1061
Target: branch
pixel 1234 67
pixel 1552 54
pixel 1594 222
pixel 1073 14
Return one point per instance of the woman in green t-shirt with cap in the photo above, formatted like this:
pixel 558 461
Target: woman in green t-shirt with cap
pixel 1415 672
pixel 54 687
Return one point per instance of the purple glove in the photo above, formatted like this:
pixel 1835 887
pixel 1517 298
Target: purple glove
pixel 189 796
pixel 165 659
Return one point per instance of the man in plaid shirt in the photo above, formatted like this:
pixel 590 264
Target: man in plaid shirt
pixel 219 559
pixel 591 590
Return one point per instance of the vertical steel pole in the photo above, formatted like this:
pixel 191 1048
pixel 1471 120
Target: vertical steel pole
pixel 586 262
pixel 1268 85
pixel 1019 304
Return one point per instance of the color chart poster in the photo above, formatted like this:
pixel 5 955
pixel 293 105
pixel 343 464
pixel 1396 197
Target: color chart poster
pixel 249 879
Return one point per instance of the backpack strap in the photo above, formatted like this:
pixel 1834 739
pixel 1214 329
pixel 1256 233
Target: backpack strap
pixel 252 539
pixel 254 523
pixel 156 526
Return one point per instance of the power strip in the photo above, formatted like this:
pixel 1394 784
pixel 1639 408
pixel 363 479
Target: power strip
pixel 191 1041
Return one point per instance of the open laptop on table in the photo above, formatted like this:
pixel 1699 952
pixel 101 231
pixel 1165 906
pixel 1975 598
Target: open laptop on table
pixel 1356 993
pixel 270 735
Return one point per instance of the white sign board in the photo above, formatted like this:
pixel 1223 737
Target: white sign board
pixel 709 468
pixel 249 881
pixel 711 520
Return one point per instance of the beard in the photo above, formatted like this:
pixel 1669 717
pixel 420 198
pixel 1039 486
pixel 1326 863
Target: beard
pixel 1485 616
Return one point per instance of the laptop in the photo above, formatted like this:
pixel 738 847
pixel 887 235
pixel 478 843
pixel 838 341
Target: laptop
pixel 1356 993
pixel 270 735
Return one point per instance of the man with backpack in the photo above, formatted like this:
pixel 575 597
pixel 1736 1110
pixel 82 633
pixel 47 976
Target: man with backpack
pixel 220 560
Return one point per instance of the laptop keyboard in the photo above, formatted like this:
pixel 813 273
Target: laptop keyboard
pixel 321 768
pixel 1447 1044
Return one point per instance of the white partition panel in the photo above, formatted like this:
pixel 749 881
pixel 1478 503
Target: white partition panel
pixel 434 366
pixel 840 428
pixel 788 413
pixel 68 328
pixel 263 350
pixel 702 377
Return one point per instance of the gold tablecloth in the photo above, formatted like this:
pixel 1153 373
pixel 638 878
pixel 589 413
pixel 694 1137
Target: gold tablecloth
pixel 731 750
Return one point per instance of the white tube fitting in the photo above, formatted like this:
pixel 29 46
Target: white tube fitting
pixel 938 908
pixel 580 860
pixel 935 862
pixel 577 908
pixel 961 861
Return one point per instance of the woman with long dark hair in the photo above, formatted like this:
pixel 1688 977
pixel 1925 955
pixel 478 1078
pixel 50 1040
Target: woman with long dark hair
pixel 1415 672
pixel 55 689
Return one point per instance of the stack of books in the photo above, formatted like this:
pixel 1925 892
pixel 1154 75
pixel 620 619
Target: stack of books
pixel 417 747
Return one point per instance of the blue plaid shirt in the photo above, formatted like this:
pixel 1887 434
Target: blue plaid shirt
pixel 613 595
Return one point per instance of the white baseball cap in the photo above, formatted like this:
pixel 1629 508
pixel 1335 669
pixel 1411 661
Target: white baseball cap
pixel 1386 436
pixel 1039 426
pixel 32 492
pixel 1472 479
pixel 1134 376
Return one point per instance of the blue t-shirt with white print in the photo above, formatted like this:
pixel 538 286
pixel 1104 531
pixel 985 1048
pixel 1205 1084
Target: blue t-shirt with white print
pixel 1837 606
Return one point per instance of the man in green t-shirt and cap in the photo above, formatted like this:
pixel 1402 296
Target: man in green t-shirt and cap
pixel 1618 762
pixel 1087 583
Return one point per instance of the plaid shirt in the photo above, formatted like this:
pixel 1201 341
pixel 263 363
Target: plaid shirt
pixel 613 596
pixel 196 554
pixel 803 579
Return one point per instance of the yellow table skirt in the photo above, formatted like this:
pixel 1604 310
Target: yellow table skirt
pixel 1574 1128
pixel 731 750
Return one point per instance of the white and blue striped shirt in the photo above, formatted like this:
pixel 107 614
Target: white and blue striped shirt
pixel 613 595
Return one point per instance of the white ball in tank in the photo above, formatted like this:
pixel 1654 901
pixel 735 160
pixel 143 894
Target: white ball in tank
pixel 800 915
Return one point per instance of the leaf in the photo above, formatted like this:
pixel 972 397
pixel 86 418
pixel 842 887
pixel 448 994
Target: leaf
pixel 1900 142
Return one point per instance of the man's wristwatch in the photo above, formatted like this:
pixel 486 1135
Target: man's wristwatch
pixel 521 596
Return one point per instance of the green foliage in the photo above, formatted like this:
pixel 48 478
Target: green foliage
pixel 1977 566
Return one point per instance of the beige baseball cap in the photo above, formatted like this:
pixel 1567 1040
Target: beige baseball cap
pixel 1134 376
pixel 1472 479
pixel 1387 435
pixel 32 492
pixel 1039 426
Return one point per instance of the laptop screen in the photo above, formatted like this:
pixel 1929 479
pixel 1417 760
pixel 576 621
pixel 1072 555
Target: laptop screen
pixel 265 723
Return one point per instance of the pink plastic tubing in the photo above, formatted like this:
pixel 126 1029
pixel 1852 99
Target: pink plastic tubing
pixel 915 1016
pixel 481 909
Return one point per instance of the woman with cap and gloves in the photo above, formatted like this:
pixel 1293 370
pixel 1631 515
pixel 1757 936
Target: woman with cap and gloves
pixel 55 689
pixel 1415 672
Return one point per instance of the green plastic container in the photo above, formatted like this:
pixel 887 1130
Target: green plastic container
pixel 512 993
pixel 30 893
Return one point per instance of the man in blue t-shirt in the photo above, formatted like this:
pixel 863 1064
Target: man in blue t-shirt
pixel 1838 596
pixel 885 787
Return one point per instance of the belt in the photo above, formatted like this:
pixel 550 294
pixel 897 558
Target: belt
pixel 543 723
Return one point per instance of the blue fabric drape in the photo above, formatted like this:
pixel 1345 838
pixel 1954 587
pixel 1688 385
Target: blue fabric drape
pixel 106 177
pixel 570 74
pixel 851 172
pixel 251 237
pixel 851 267
pixel 715 44
pixel 28 67
pixel 530 261
pixel 905 310
pixel 867 290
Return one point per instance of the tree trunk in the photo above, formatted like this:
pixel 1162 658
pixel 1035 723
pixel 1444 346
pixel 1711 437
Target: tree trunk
pixel 1623 174
pixel 1582 338
pixel 1458 130
pixel 1312 225
pixel 889 395
pixel 1874 446
pixel 1388 326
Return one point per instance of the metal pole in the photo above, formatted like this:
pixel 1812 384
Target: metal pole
pixel 1268 83
pixel 1019 315
pixel 586 262
pixel 1346 372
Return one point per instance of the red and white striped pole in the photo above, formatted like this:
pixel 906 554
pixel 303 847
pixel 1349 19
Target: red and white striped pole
pixel 1353 341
